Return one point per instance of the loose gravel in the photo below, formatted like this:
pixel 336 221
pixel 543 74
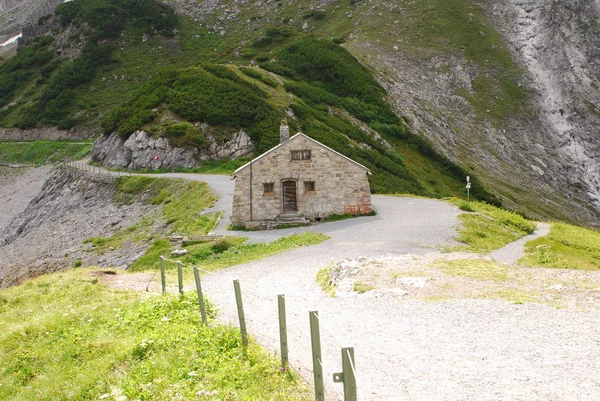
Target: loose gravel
pixel 409 349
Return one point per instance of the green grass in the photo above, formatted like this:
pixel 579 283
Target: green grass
pixel 361 287
pixel 490 227
pixel 182 201
pixel 515 296
pixel 66 336
pixel 479 269
pixel 567 247
pixel 338 217
pixel 181 209
pixel 233 251
pixel 43 152
pixel 323 280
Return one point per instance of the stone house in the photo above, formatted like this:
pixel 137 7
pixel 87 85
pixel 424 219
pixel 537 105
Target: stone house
pixel 298 180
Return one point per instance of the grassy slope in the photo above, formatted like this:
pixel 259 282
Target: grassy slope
pixel 408 169
pixel 567 247
pixel 486 227
pixel 67 336
pixel 42 152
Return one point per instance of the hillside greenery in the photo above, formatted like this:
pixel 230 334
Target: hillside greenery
pixel 43 152
pixel 174 84
pixel 565 247
pixel 485 227
pixel 67 336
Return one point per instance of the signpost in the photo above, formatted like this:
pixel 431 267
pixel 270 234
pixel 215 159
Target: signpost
pixel 468 189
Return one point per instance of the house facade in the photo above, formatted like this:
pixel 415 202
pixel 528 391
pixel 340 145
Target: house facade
pixel 298 179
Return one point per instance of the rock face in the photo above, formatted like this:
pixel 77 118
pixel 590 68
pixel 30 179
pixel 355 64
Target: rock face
pixel 141 150
pixel 547 164
pixel 48 235
pixel 15 14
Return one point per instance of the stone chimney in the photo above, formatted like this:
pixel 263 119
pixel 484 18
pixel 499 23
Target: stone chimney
pixel 284 131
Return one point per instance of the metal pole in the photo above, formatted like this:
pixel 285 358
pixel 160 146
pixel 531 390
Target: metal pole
pixel 200 297
pixel 162 276
pixel 180 278
pixel 348 367
pixel 240 308
pixel 282 331
pixel 315 337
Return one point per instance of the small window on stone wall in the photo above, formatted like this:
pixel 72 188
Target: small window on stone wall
pixel 301 154
pixel 309 186
pixel 268 187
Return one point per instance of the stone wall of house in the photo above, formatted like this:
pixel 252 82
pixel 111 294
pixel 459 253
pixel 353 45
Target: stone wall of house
pixel 340 186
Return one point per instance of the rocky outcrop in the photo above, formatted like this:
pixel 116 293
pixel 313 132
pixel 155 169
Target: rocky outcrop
pixel 545 164
pixel 15 14
pixel 141 150
pixel 49 234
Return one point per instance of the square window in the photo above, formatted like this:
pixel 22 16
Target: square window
pixel 309 186
pixel 301 154
pixel 268 187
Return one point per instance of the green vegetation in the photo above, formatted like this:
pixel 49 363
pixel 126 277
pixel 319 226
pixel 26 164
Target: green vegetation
pixel 182 201
pixel 324 76
pixel 101 21
pixel 480 269
pixel 461 28
pixel 515 296
pixel 490 227
pixel 232 251
pixel 181 204
pixel 338 217
pixel 43 152
pixel 566 247
pixel 172 87
pixel 68 337
pixel 213 95
pixel 361 287
pixel 324 281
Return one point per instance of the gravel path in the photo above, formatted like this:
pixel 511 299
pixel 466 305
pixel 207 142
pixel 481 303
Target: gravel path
pixel 413 350
pixel 512 252
pixel 408 349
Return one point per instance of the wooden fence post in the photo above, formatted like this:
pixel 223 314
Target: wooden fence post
pixel 162 276
pixel 315 337
pixel 282 331
pixel 200 297
pixel 180 277
pixel 240 308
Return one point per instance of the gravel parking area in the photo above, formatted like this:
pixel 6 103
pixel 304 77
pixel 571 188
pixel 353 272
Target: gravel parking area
pixel 411 349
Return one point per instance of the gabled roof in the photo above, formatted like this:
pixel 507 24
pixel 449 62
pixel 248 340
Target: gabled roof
pixel 298 135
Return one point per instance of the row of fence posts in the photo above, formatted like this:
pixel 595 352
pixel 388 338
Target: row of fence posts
pixel 348 374
pixel 90 168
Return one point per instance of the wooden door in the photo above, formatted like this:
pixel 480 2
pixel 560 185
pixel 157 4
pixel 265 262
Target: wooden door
pixel 289 196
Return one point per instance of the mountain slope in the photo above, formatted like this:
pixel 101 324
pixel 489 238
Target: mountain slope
pixel 476 78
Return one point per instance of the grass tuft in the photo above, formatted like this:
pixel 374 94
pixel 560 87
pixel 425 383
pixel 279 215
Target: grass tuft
pixel 479 269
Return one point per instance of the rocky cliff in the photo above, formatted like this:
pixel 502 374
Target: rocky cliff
pixel 49 234
pixel 15 14
pixel 141 151
pixel 548 160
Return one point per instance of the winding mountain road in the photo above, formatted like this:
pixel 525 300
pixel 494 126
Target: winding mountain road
pixel 408 349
